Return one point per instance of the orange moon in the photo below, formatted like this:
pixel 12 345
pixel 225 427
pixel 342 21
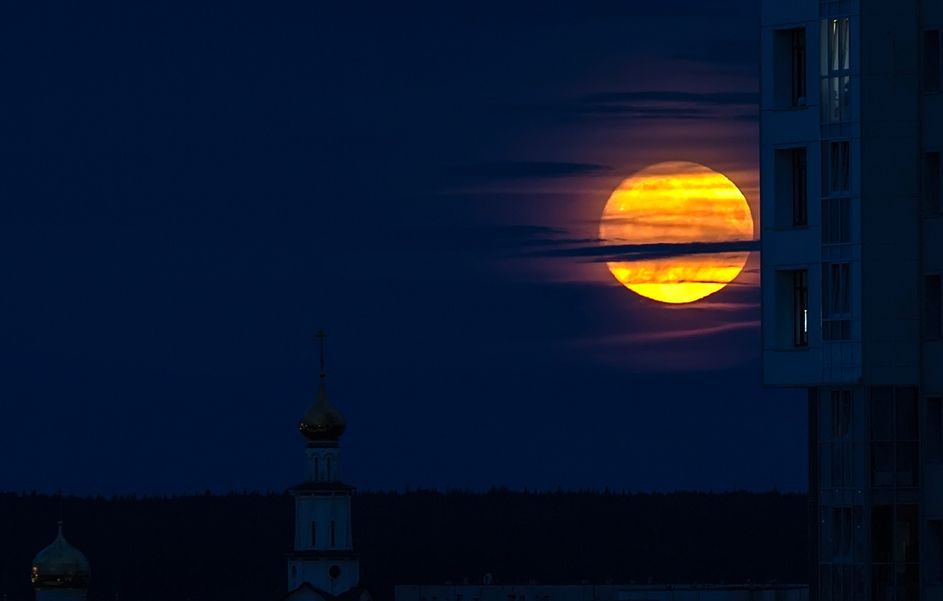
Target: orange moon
pixel 677 203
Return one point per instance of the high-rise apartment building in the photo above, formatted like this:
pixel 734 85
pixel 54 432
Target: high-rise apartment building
pixel 852 254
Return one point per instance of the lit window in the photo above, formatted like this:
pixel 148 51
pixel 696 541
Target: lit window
pixel 835 70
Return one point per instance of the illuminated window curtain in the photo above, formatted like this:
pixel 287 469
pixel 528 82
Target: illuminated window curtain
pixel 835 69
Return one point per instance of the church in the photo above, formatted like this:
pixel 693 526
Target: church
pixel 322 566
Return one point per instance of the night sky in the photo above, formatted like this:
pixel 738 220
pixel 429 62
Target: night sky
pixel 190 190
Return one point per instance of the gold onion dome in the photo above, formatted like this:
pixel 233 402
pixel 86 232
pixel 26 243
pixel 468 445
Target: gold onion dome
pixel 60 565
pixel 322 422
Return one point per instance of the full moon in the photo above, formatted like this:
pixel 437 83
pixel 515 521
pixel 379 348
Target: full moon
pixel 677 203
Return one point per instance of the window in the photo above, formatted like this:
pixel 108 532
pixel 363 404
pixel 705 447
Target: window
pixel 836 69
pixel 894 544
pixel 790 68
pixel 837 167
pixel 931 183
pixel 800 307
pixel 934 561
pixel 932 306
pixel 842 531
pixel 791 187
pixel 842 450
pixel 894 451
pixel 841 413
pixel 882 533
pixel 934 429
pixel 931 60
pixel 317 468
pixel 836 301
pixel 798 66
pixel 836 220
pixel 333 534
pixel 799 192
pixel 329 470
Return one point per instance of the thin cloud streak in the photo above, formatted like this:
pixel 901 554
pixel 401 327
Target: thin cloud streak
pixel 639 252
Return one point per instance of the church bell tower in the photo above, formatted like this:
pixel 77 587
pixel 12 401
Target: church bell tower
pixel 323 558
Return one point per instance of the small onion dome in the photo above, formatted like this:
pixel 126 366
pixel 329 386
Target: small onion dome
pixel 60 565
pixel 322 422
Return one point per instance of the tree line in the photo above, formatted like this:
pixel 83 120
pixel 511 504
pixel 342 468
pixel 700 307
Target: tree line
pixel 232 547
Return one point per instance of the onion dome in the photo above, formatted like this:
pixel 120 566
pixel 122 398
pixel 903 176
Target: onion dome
pixel 60 565
pixel 322 423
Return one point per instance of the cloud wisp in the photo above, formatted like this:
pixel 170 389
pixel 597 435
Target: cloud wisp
pixel 639 252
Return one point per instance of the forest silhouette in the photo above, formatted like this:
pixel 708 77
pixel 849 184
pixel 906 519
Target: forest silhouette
pixel 232 547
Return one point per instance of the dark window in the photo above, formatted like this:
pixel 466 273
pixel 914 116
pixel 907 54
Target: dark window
pixel 882 413
pixel 906 549
pixel 934 429
pixel 836 220
pixel 931 183
pixel 882 583
pixel 931 60
pixel 932 307
pixel 314 534
pixel 333 534
pixel 894 447
pixel 798 67
pixel 841 413
pixel 842 531
pixel 882 533
pixel 837 159
pixel 882 436
pixel 790 67
pixel 836 301
pixel 800 204
pixel 317 468
pixel 800 304
pixel 906 419
pixel 906 468
pixel 934 561
pixel 791 193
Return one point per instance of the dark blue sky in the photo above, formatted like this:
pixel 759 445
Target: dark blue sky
pixel 190 189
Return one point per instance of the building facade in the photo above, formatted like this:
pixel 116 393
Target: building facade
pixel 852 256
